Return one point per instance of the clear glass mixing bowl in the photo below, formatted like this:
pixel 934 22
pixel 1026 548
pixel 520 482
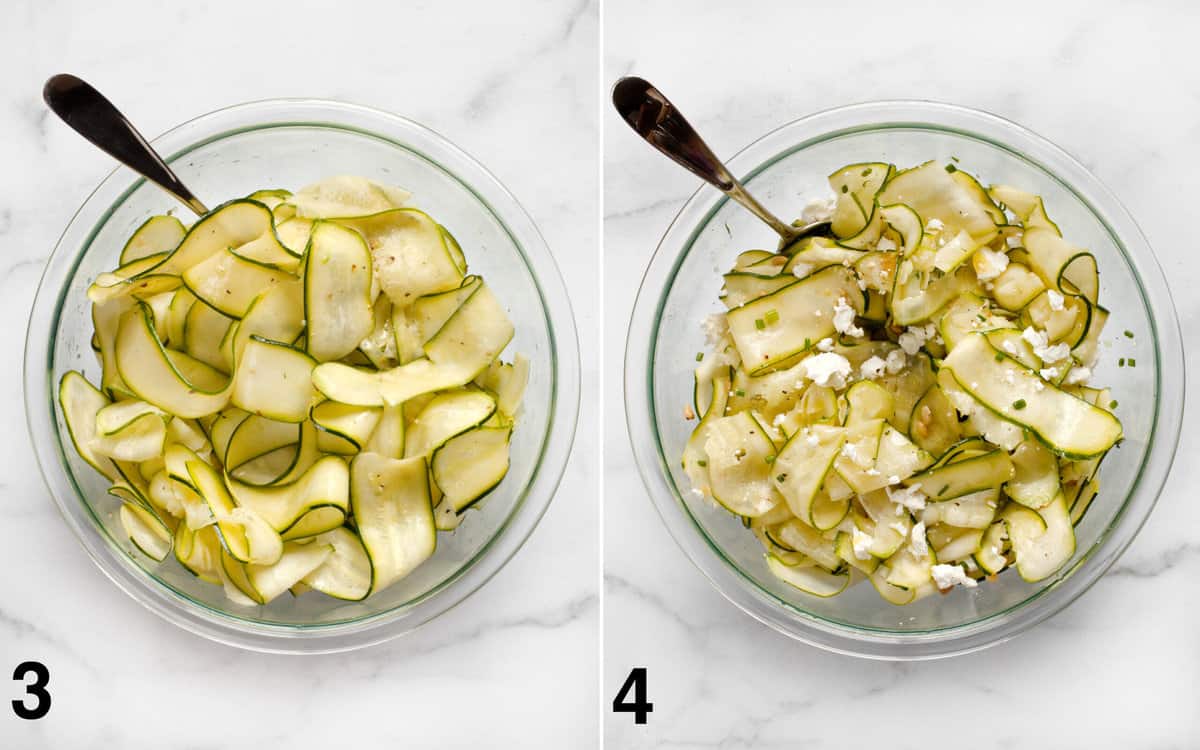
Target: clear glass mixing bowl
pixel 287 144
pixel 787 168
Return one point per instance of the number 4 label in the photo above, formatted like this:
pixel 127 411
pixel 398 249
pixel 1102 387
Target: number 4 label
pixel 639 706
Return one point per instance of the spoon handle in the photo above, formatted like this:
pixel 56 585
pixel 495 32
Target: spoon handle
pixel 94 117
pixel 659 123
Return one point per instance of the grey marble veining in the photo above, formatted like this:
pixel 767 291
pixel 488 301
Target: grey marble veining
pixel 1116 84
pixel 514 665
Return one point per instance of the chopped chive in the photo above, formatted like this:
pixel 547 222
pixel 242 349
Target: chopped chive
pixel 739 393
pixel 999 357
pixel 954 158
pixel 942 491
pixel 781 478
pixel 770 458
pixel 1121 362
pixel 1019 403
pixel 866 172
pixel 1129 334
pixel 699 356
pixel 1112 404
pixel 1132 362
pixel 951 168
pixel 807 342
pixel 701 462
pixel 772 316
pixel 759 323
pixel 845 189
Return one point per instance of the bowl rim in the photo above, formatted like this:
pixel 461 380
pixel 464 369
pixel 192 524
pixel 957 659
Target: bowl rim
pixel 533 499
pixel 871 642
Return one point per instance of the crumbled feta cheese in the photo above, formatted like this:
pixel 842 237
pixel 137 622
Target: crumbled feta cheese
pixel 1013 241
pixel 1038 385
pixel 914 337
pixel 843 319
pixel 850 451
pixel 885 244
pixel 1079 375
pixel 910 342
pixel 697 493
pixel 802 270
pixel 1009 347
pixel 908 497
pixel 893 479
pixel 1049 373
pixel 1055 299
pixel 825 345
pixel 947 576
pixel 919 544
pixel 1056 353
pixel 811 438
pixel 862 284
pixel 779 420
pixel 934 225
pixel 896 361
pixel 715 327
pixel 872 368
pixel 1034 337
pixel 988 263
pixel 828 369
pixel 898 527
pixel 1048 354
pixel 872 472
pixel 818 209
pixel 862 544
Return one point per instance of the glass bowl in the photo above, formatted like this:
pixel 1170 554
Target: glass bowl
pixel 787 168
pixel 287 144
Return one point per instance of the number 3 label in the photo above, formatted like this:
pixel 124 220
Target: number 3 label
pixel 35 691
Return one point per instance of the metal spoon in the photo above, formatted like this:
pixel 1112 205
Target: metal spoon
pixel 95 118
pixel 655 119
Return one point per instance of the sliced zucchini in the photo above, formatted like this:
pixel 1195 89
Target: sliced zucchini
pixel 468 466
pixel 80 402
pixel 346 573
pixel 800 468
pixel 802 317
pixel 337 292
pixel 230 283
pixel 274 380
pixel 394 514
pixel 319 499
pixel 147 531
pixel 158 235
pixel 448 414
pixel 810 580
pixel 409 254
pixel 1036 480
pixel 170 380
pixel 1069 426
pixel 957 478
pixel 346 196
pixel 1043 540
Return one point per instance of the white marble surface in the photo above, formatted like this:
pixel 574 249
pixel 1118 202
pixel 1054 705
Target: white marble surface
pixel 515 85
pixel 1115 85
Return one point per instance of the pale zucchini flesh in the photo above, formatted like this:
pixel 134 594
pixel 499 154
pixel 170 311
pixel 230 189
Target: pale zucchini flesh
pixel 246 362
pixel 893 402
